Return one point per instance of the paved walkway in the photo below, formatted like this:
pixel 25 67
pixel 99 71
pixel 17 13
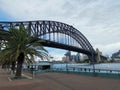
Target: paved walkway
pixel 58 81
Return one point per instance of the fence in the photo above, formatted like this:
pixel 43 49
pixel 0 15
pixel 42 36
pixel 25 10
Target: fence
pixel 83 70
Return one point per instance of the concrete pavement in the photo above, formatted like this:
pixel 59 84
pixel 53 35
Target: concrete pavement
pixel 58 81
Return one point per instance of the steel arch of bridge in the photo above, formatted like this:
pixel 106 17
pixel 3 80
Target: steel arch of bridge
pixel 44 27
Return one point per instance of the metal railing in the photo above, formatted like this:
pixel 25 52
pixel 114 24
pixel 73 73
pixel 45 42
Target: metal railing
pixel 88 71
pixel 112 73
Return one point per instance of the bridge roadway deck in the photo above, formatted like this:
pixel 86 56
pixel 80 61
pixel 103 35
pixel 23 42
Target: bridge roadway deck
pixel 59 81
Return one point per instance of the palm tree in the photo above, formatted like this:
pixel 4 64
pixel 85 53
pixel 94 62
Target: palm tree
pixel 19 45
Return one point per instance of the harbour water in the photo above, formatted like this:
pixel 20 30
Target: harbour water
pixel 102 68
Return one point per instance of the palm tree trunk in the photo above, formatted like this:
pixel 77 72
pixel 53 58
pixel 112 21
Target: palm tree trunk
pixel 13 67
pixel 3 65
pixel 19 65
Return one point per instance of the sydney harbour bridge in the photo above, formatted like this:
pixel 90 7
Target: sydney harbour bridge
pixel 57 35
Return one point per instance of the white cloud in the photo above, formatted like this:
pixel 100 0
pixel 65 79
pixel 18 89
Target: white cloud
pixel 57 54
pixel 109 48
pixel 98 20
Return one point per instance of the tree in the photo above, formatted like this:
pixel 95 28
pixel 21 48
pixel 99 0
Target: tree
pixel 21 46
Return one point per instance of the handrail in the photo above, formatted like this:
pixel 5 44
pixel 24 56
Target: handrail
pixel 78 69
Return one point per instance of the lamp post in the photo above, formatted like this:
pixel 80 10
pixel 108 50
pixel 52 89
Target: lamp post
pixel 66 67
pixel 93 62
pixel 51 68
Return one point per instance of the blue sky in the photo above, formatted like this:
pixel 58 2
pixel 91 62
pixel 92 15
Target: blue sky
pixel 98 20
pixel 4 16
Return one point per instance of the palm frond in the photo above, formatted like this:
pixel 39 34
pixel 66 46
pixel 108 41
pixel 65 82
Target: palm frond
pixel 18 40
